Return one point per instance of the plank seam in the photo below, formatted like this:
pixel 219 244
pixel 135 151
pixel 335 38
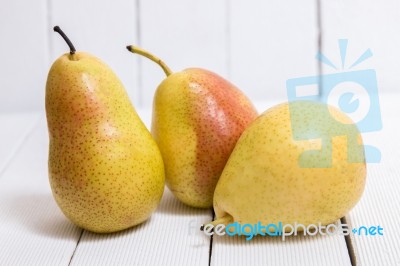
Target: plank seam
pixel 319 45
pixel 49 20
pixel 349 244
pixel 228 53
pixel 76 247
pixel 211 239
pixel 347 238
pixel 139 60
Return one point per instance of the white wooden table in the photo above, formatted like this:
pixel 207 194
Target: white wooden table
pixel 33 231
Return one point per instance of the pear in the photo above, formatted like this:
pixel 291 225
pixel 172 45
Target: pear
pixel 105 169
pixel 197 118
pixel 300 162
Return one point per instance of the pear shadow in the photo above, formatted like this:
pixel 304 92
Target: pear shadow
pixel 39 214
pixel 291 240
pixel 273 240
pixel 89 237
pixel 171 205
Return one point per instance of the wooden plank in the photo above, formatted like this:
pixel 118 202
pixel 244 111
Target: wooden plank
pixel 380 202
pixel 184 34
pixel 14 129
pixel 271 41
pixel 102 28
pixel 23 55
pixel 32 228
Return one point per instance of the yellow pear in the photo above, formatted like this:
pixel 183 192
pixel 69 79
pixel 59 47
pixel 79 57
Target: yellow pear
pixel 300 162
pixel 106 171
pixel 197 118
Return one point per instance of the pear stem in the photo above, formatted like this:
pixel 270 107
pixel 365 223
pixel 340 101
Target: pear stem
pixel 140 51
pixel 66 39
pixel 223 220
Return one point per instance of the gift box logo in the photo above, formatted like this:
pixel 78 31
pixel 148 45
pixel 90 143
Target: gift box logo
pixel 353 92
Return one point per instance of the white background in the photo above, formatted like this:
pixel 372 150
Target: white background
pixel 257 45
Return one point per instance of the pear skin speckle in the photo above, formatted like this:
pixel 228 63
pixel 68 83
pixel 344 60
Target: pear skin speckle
pixel 197 119
pixel 263 181
pixel 106 171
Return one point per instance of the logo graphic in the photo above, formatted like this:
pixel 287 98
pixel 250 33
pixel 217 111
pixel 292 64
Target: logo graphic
pixel 354 93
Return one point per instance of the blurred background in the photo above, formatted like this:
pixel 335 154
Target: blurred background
pixel 257 45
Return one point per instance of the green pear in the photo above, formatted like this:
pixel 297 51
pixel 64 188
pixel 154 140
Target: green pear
pixel 301 162
pixel 105 169
pixel 197 118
